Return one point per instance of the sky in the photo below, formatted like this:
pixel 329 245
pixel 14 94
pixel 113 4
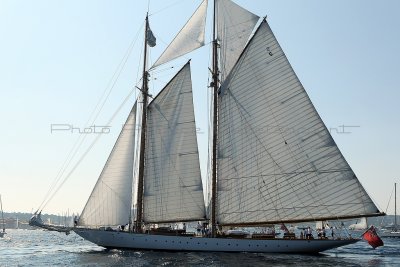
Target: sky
pixel 60 59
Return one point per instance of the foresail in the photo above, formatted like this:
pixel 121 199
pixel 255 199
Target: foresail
pixel 277 162
pixel 111 199
pixel 188 39
pixel 172 186
pixel 234 26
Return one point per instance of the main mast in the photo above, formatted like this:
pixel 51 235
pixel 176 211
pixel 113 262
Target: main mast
pixel 139 207
pixel 2 215
pixel 214 85
pixel 395 207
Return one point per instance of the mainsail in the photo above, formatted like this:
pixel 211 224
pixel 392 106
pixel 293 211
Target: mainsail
pixel 188 39
pixel 277 162
pixel 234 26
pixel 173 188
pixel 111 199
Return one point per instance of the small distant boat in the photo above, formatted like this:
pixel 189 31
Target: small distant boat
pixel 2 219
pixel 395 231
pixel 360 225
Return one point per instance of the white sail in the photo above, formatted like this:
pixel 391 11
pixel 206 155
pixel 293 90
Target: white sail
pixel 234 26
pixel 110 201
pixel 276 159
pixel 322 225
pixel 188 39
pixel 362 224
pixel 172 184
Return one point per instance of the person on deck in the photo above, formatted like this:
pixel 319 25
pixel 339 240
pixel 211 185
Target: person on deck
pixel 198 228
pixel 308 233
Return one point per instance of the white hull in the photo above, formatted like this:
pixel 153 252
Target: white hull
pixel 391 234
pixel 124 240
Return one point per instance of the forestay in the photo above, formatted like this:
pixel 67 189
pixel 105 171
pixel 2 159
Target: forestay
pixel 172 185
pixel 188 39
pixel 276 159
pixel 111 199
pixel 234 26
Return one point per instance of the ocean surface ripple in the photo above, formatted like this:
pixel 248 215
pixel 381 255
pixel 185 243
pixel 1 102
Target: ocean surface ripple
pixel 43 248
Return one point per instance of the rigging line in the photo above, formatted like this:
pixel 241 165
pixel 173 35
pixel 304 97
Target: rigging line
pixel 171 160
pixel 126 131
pixel 114 193
pixel 317 115
pixel 387 206
pixel 165 8
pixel 239 107
pixel 89 148
pixel 174 164
pixel 81 139
pixel 282 135
pixel 111 83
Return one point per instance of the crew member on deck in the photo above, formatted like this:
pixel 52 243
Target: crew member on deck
pixel 308 233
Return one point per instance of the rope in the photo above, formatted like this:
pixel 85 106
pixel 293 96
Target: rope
pixel 92 118
pixel 88 149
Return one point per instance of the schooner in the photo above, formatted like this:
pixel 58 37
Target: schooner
pixel 273 160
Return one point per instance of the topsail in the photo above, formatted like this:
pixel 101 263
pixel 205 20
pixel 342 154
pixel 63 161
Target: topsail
pixel 188 39
pixel 234 25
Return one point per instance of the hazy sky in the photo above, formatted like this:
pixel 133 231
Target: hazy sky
pixel 58 59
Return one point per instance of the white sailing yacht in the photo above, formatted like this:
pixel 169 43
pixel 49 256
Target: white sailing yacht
pixel 273 160
pixel 2 219
pixel 395 231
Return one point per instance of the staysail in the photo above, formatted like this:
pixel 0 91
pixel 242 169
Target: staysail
pixel 188 39
pixel 111 199
pixel 277 162
pixel 173 188
pixel 235 25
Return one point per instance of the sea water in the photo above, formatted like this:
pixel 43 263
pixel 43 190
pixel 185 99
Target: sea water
pixel 44 248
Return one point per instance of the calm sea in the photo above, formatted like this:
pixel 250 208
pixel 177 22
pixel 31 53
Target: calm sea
pixel 42 248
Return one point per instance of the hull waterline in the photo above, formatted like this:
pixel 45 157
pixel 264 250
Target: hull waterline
pixel 125 240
